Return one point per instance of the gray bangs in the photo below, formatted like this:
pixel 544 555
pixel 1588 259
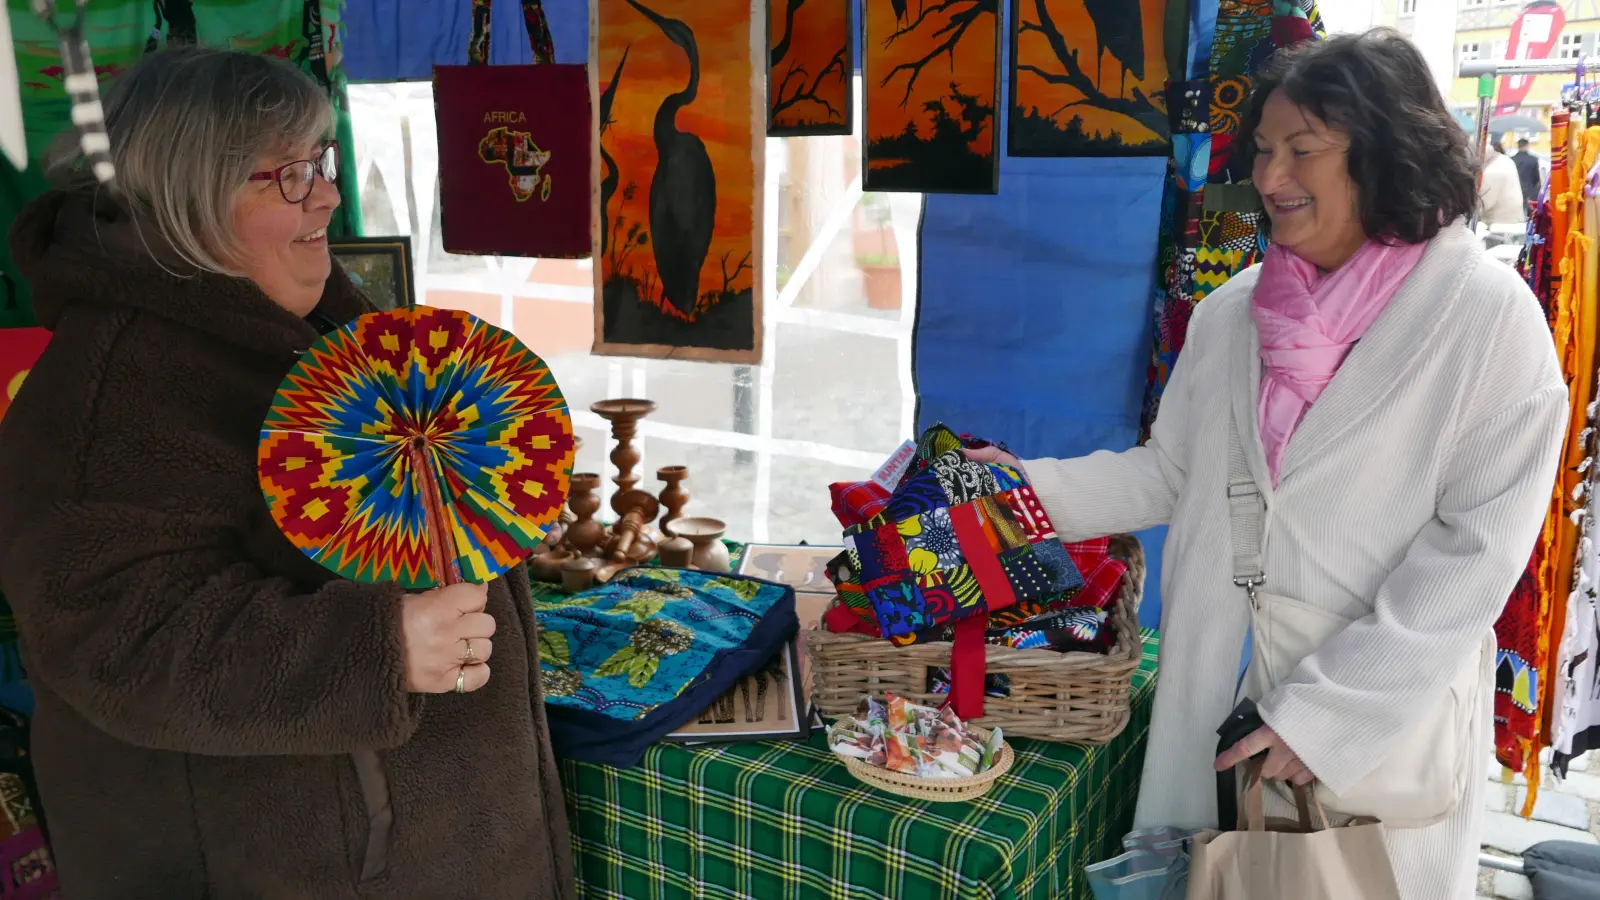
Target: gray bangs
pixel 188 127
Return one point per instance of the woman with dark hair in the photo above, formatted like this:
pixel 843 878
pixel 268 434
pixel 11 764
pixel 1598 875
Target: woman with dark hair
pixel 1360 531
pixel 219 716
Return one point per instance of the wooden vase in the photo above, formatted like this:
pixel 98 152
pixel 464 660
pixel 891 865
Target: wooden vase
pixel 677 552
pixel 674 497
pixel 585 533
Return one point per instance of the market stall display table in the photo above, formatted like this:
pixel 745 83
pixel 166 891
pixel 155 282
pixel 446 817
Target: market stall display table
pixel 777 820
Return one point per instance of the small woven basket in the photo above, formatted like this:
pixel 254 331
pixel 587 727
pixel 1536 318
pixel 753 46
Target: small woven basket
pixel 1082 698
pixel 934 790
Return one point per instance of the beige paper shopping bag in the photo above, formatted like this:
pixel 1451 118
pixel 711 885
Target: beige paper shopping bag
pixel 1273 859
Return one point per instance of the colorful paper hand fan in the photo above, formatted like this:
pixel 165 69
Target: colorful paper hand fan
pixel 421 446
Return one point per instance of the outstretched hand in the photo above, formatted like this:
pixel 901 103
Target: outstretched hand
pixel 1282 764
pixel 993 454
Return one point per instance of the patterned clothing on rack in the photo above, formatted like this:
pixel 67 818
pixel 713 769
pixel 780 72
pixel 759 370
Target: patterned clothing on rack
pixel 1521 633
pixel 1211 218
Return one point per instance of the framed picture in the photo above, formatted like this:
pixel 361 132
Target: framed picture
pixel 805 568
pixel 767 705
pixel 809 64
pixel 380 267
pixel 680 93
pixel 932 84
pixel 1088 77
pixel 801 566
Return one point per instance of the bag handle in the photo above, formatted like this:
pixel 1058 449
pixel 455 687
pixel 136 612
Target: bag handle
pixel 1252 817
pixel 539 40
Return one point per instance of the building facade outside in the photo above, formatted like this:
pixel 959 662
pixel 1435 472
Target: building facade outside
pixel 1483 31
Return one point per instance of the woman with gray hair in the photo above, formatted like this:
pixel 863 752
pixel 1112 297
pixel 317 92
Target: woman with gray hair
pixel 217 715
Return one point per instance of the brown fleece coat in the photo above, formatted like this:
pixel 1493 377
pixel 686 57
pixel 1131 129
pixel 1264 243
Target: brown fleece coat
pixel 218 716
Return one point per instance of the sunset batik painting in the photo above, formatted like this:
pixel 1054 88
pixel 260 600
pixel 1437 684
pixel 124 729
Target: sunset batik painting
pixel 931 73
pixel 809 89
pixel 678 243
pixel 1088 78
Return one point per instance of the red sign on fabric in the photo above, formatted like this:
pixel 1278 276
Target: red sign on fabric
pixel 1533 36
pixel 514 159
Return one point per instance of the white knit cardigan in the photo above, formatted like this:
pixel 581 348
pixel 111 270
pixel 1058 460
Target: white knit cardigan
pixel 1409 500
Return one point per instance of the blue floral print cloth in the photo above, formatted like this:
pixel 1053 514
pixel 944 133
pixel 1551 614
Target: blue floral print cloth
pixel 630 661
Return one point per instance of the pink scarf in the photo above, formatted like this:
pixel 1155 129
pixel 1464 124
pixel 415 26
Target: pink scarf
pixel 1308 321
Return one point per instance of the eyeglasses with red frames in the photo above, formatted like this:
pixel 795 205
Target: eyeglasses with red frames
pixel 296 179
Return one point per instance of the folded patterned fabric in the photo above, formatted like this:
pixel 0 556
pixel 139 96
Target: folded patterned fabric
pixel 956 538
pixel 998 686
pixel 630 661
pixel 1074 629
pixel 1102 576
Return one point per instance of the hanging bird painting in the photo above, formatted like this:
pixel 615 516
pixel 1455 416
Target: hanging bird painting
pixel 1089 77
pixel 678 178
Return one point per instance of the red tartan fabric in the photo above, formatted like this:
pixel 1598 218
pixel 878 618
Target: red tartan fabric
pixel 854 503
pixel 1102 575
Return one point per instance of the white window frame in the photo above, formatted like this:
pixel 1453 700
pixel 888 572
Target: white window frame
pixel 1570 46
pixel 1469 50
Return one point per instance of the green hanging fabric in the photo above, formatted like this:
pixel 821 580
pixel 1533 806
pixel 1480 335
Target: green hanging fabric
pixel 305 32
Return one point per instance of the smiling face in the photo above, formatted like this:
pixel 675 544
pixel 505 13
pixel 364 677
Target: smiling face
pixel 284 246
pixel 1302 172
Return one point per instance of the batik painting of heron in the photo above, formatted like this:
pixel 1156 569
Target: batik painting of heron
pixel 1088 78
pixel 677 175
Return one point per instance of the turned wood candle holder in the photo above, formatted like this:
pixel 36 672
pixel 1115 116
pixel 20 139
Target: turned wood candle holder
pixel 624 416
pixel 710 554
pixel 674 497
pixel 586 532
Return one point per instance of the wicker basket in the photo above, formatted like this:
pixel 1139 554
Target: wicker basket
pixel 1078 697
pixel 936 790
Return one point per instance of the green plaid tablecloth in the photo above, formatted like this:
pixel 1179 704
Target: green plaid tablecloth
pixel 780 820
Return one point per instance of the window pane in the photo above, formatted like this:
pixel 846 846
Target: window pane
pixel 762 443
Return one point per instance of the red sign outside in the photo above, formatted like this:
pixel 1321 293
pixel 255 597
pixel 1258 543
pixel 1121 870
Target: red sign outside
pixel 1533 36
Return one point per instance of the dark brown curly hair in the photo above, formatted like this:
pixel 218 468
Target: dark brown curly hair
pixel 1410 160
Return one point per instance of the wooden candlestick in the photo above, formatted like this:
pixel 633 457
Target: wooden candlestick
pixel 641 508
pixel 585 533
pixel 624 416
pixel 674 496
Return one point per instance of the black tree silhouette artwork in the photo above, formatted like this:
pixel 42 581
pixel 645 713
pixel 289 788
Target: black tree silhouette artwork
pixel 949 144
pixel 1053 59
pixel 809 85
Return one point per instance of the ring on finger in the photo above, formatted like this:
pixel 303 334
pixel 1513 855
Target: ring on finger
pixel 468 658
pixel 461 681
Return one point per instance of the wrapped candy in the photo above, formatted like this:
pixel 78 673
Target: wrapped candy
pixel 912 739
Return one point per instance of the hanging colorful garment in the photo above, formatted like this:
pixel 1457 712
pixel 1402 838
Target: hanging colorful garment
pixel 630 661
pixel 1575 345
pixel 1520 631
pixel 306 33
pixel 1216 232
pixel 1577 718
